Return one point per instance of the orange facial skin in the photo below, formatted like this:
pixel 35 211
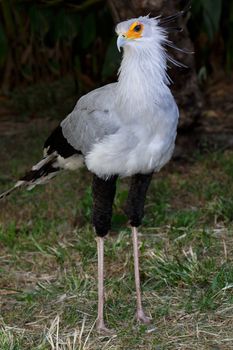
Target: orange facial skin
pixel 135 31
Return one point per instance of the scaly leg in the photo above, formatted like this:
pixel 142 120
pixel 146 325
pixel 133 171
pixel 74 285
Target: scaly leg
pixel 140 315
pixel 100 325
pixel 103 196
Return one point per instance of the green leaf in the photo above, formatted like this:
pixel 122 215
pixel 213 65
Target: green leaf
pixel 196 7
pixel 112 60
pixel 26 72
pixel 39 20
pixel 208 26
pixel 89 30
pixel 212 14
pixel 6 13
pixel 3 45
pixel 54 67
pixel 65 25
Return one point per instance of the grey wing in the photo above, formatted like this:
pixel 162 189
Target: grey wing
pixel 92 119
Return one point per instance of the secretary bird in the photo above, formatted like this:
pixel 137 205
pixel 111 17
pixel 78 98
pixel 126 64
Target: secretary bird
pixel 127 128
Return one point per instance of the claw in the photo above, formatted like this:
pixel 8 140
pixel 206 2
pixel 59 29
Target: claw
pixel 103 330
pixel 141 317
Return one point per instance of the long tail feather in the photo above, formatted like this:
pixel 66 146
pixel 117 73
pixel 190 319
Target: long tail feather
pixel 39 174
pixel 12 189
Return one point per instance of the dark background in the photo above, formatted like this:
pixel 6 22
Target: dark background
pixel 44 41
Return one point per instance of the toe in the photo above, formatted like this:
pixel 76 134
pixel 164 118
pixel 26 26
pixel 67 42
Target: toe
pixel 141 317
pixel 103 330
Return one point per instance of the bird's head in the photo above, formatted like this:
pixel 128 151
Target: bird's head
pixel 138 32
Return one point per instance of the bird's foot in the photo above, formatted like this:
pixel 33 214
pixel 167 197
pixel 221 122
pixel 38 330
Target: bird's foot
pixel 103 330
pixel 141 317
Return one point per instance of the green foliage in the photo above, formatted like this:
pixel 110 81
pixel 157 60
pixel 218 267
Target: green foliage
pixel 229 44
pixel 211 12
pixel 7 341
pixel 3 46
pixel 112 59
pixel 89 30
pixel 212 23
pixel 54 38
pixel 47 39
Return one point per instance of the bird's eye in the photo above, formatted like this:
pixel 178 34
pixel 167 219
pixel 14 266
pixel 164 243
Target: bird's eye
pixel 135 31
pixel 137 28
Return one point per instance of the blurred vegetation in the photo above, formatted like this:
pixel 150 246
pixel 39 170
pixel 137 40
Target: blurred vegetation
pixel 211 29
pixel 48 39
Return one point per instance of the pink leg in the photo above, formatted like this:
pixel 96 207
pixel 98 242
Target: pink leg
pixel 101 328
pixel 140 315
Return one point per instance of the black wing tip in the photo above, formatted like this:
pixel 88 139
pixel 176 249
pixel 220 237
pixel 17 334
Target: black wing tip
pixel 41 173
pixel 57 142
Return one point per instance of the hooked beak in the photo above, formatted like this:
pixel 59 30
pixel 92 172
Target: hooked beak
pixel 121 40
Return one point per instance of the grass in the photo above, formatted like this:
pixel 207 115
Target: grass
pixel 48 258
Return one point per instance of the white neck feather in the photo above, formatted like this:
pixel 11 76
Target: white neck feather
pixel 142 78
